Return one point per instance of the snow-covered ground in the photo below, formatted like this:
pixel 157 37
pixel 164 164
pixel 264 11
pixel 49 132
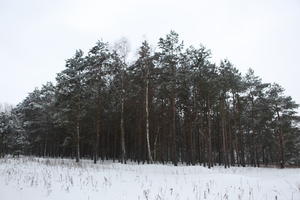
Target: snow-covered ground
pixel 37 179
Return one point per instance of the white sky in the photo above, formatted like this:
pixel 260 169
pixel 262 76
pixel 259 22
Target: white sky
pixel 37 36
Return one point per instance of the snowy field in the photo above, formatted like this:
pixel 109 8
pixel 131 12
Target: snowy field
pixel 39 179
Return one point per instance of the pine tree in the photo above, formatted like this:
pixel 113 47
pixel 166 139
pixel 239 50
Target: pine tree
pixel 283 108
pixel 169 59
pixel 144 66
pixel 98 63
pixel 70 94
pixel 173 104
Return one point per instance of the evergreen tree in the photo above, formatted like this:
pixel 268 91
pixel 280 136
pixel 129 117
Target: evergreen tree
pixel 169 61
pixel 70 95
pixel 173 104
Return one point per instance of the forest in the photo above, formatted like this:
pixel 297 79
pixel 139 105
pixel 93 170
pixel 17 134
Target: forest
pixel 171 104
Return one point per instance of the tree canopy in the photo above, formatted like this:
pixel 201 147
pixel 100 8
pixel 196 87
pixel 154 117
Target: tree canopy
pixel 169 105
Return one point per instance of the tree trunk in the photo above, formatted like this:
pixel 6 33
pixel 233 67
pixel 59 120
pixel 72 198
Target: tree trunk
pixel 253 142
pixel 147 117
pixel 240 134
pixel 123 149
pixel 224 133
pixel 77 139
pixel 281 141
pixel 173 131
pixel 98 111
pixel 45 145
pixel 209 135
pixel 123 156
pixel 97 139
pixel 173 118
pixel 45 148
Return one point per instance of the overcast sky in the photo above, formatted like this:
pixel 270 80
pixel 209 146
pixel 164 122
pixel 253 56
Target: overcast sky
pixel 37 36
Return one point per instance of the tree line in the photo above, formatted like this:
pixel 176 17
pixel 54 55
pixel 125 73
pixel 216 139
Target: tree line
pixel 168 105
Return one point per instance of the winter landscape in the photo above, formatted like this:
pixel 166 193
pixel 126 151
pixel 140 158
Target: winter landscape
pixel 64 179
pixel 149 100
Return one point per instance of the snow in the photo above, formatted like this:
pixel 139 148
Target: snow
pixel 38 179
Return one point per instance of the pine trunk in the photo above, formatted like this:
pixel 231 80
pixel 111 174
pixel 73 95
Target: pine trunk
pixel 281 142
pixel 147 118
pixel 209 135
pixel 123 156
pixel 77 140
pixel 224 133
pixel 123 149
pixel 173 131
pixel 97 140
